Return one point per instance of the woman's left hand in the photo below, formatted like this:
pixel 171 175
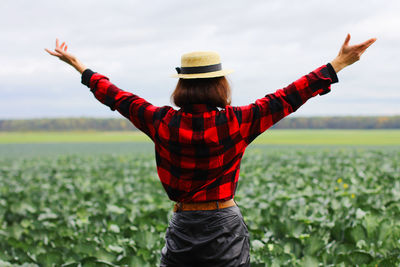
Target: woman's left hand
pixel 349 54
pixel 61 52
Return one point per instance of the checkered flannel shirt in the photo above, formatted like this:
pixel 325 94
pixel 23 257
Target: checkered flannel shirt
pixel 199 147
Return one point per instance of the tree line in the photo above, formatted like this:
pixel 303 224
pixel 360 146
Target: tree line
pixel 97 124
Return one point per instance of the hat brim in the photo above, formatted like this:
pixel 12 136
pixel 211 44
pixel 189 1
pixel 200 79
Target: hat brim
pixel 213 74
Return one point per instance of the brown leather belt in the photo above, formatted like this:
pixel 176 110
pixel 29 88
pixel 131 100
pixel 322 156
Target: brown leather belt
pixel 211 205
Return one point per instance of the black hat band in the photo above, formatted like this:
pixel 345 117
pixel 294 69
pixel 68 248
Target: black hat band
pixel 200 69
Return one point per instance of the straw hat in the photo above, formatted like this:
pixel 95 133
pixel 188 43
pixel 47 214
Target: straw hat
pixel 200 64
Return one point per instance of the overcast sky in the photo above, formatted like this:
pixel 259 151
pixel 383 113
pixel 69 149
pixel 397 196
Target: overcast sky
pixel 138 44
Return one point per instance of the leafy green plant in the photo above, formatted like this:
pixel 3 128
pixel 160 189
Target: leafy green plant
pixel 303 207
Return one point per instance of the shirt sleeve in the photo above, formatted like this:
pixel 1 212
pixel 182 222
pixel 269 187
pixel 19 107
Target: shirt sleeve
pixel 257 117
pixel 140 112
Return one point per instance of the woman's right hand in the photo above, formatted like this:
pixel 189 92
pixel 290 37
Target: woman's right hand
pixel 61 52
pixel 349 54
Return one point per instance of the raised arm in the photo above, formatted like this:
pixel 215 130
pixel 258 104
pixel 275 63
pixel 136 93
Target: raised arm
pixel 265 112
pixel 141 113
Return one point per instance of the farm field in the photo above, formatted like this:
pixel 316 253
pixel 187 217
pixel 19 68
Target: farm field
pixel 279 137
pixel 101 203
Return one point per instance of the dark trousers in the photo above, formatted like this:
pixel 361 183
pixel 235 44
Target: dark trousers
pixel 207 238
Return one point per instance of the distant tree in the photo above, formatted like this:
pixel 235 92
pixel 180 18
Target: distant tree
pixel 94 124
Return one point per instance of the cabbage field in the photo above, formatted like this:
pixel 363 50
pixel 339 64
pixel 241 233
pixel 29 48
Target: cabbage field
pixel 103 205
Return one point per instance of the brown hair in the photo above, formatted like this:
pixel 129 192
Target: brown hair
pixel 212 91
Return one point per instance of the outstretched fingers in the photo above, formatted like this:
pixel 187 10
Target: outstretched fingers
pixel 369 42
pixel 349 54
pixel 58 51
pixel 52 53
pixel 364 45
pixel 347 40
pixel 361 46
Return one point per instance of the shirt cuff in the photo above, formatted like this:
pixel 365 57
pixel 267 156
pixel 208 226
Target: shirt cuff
pixel 332 73
pixel 86 75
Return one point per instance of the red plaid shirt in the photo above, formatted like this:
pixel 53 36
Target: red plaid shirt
pixel 199 148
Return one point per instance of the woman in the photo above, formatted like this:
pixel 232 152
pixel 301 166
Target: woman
pixel 199 147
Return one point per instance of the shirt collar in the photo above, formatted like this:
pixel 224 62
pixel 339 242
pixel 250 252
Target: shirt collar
pixel 198 108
